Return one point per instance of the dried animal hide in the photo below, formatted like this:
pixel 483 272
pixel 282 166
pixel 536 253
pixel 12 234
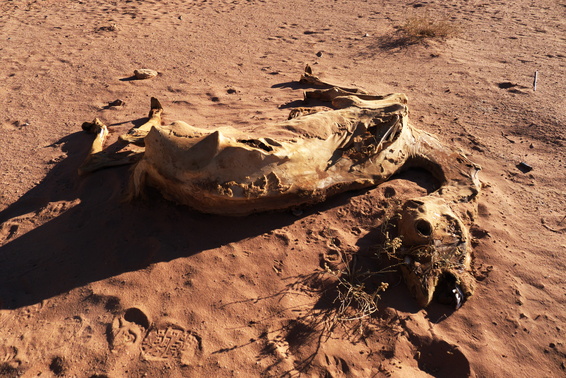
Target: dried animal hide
pixel 313 155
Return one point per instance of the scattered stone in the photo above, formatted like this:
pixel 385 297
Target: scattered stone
pixel 117 102
pixel 110 28
pixel 506 85
pixel 319 54
pixel 366 35
pixel 58 366
pixel 144 73
pixel 20 124
pixel 524 167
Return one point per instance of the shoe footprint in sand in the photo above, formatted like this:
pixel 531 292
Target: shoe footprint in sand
pixel 168 341
pixel 163 340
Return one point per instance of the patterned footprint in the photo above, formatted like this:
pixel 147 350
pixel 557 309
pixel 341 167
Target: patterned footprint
pixel 167 341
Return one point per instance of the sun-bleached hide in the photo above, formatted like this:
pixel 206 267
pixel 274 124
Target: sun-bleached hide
pixel 295 162
pixel 316 153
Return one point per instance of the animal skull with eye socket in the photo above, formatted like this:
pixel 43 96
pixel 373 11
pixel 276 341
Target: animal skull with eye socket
pixel 315 154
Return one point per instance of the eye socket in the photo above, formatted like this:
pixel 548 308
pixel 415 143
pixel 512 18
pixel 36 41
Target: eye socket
pixel 449 292
pixel 423 227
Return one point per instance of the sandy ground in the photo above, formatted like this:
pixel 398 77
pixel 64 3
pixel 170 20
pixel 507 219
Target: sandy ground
pixel 94 286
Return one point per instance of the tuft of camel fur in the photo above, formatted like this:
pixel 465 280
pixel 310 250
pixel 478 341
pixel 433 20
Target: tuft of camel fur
pixel 361 142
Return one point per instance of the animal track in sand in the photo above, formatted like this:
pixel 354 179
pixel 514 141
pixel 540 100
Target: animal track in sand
pixel 333 259
pixel 8 354
pixel 440 359
pixel 161 341
pixel 276 350
pixel 336 366
pixel 70 329
pixel 15 227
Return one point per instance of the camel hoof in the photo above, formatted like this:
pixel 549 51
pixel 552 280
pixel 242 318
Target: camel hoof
pixel 93 127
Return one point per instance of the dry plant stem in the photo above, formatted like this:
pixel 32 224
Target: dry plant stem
pixel 354 302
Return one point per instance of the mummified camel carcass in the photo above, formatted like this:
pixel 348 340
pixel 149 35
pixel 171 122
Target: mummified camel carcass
pixel 313 155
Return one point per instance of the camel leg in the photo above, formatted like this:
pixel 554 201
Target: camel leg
pixel 98 158
pixel 136 135
pixel 101 131
pixel 309 78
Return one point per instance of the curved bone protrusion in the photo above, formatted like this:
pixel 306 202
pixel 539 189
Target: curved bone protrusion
pixel 137 134
pixel 434 229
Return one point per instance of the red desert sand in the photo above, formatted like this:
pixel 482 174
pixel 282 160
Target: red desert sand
pixel 92 285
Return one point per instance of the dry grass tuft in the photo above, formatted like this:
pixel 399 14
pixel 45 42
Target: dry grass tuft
pixel 354 301
pixel 419 30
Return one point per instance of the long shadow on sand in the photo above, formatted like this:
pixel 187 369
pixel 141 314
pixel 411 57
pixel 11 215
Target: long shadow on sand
pixel 100 235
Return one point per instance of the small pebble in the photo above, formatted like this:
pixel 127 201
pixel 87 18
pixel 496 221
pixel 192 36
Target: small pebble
pixel 144 73
pixel 117 102
pixel 319 54
pixel 524 167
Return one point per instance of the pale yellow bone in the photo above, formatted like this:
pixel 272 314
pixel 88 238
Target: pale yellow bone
pixel 136 135
pixel 101 131
pixel 299 161
pixel 309 78
pixel 98 158
pixel 437 242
